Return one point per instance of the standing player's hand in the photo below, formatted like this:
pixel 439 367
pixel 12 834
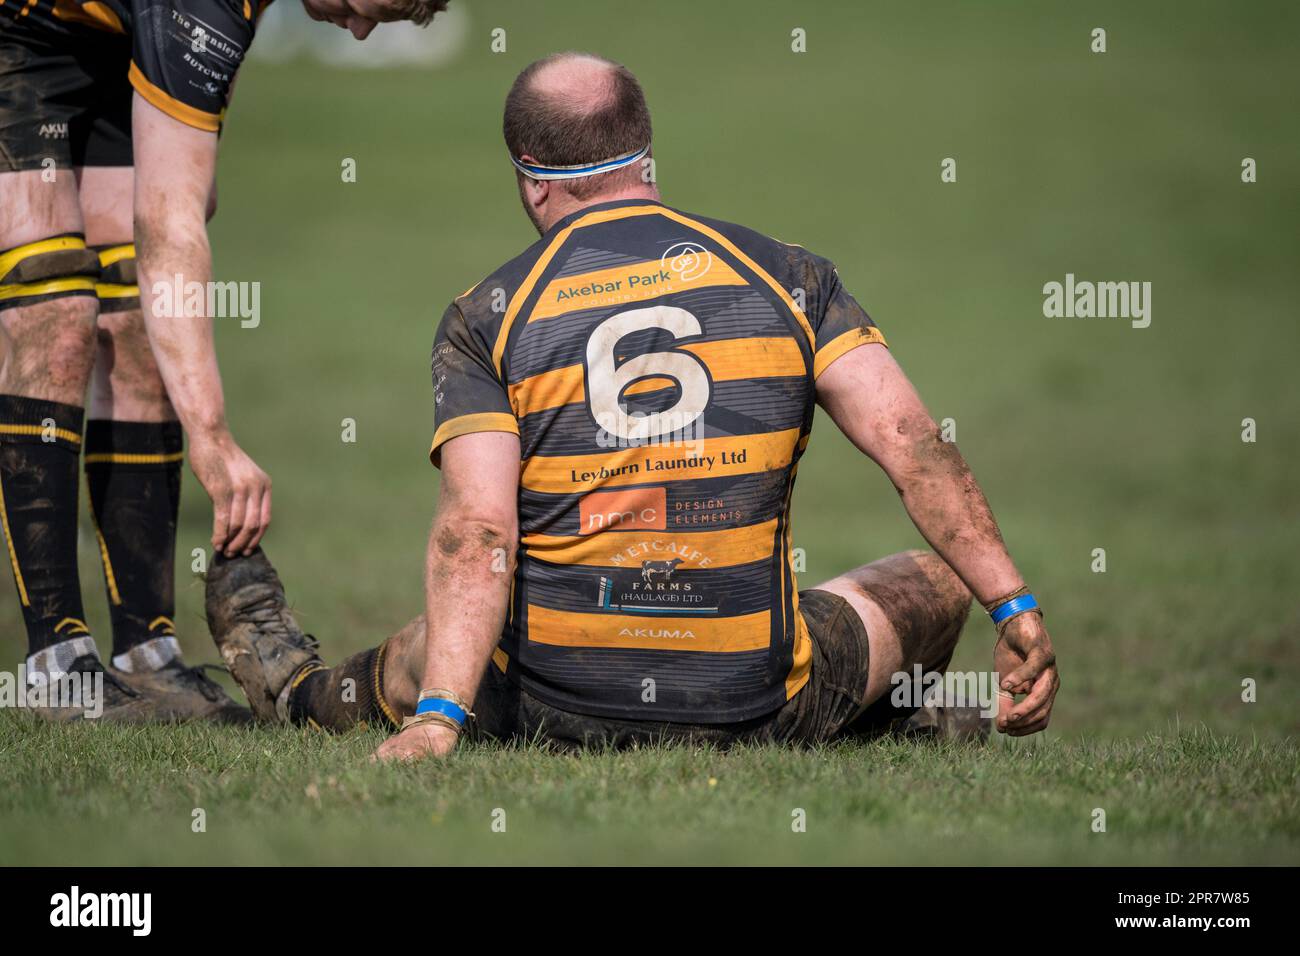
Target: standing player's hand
pixel 417 742
pixel 240 492
pixel 1026 664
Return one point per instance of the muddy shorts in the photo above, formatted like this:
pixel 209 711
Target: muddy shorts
pixel 66 101
pixel 828 707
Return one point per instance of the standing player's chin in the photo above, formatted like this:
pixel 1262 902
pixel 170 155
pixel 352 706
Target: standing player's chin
pixel 360 26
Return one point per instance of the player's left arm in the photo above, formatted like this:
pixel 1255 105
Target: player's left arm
pixel 468 571
pixel 874 404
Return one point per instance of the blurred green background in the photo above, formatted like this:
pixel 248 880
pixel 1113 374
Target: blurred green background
pixel 1085 433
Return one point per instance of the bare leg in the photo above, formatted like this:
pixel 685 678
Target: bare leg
pixel 126 385
pixel 913 607
pixel 404 667
pixel 47 322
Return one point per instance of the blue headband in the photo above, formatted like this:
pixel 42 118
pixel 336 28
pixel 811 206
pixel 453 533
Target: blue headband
pixel 535 171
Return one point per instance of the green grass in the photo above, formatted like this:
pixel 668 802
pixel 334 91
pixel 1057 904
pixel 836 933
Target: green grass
pixel 1085 434
pixel 276 796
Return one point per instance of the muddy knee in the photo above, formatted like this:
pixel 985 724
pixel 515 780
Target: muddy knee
pixel 925 603
pixel 953 596
pixel 49 348
pixel 127 383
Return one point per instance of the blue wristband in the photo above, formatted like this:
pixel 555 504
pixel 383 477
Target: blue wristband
pixel 441 705
pixel 1025 602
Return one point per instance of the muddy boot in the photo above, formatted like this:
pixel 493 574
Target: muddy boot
pixel 176 692
pixel 258 638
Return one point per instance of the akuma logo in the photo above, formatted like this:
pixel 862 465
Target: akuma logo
pixel 673 633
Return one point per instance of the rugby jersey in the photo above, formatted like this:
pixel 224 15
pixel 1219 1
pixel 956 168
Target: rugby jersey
pixel 658 368
pixel 184 54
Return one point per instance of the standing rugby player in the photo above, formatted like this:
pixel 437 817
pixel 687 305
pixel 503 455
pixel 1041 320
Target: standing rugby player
pixel 610 560
pixel 110 112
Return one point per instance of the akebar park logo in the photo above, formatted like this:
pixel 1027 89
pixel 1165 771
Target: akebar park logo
pixel 77 909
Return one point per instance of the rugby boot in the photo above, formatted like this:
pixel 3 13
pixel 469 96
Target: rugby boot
pixel 79 695
pixel 176 693
pixel 255 632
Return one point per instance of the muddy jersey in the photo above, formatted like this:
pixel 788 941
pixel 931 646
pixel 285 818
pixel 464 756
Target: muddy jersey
pixel 659 370
pixel 180 55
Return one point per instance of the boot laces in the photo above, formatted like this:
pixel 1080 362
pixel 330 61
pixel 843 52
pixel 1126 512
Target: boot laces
pixel 272 617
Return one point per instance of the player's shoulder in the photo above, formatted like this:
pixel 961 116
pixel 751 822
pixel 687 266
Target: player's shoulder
pixel 487 299
pixel 789 263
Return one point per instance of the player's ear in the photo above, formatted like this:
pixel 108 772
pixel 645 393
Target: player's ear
pixel 536 191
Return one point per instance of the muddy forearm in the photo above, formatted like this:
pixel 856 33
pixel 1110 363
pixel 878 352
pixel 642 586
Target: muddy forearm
pixel 182 342
pixel 468 574
pixel 949 509
pixel 174 172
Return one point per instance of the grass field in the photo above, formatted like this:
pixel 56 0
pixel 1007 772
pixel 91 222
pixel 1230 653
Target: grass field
pixel 1084 433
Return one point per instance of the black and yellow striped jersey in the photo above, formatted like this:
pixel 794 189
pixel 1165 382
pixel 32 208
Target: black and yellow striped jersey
pixel 658 368
pixel 183 54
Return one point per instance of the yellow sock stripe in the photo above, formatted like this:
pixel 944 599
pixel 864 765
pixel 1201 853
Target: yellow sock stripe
pixel 116 253
pixel 59 243
pixel 109 290
pixel 75 626
pixel 166 622
pixel 13 555
pixel 63 433
pixel 304 674
pixel 22 289
pixel 379 690
pixel 121 458
pixel 109 577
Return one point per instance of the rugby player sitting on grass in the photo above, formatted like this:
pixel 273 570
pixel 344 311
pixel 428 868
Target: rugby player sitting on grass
pixel 610 558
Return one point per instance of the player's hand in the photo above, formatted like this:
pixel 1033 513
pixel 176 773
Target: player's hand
pixel 1026 664
pixel 240 492
pixel 417 742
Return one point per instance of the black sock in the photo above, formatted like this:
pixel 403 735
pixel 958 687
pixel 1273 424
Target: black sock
pixel 326 699
pixel 39 445
pixel 133 475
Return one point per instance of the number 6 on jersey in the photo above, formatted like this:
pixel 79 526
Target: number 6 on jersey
pixel 607 381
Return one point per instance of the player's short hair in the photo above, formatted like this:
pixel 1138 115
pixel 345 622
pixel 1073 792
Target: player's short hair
pixel 420 12
pixel 556 131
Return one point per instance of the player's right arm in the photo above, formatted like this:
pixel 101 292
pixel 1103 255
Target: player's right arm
pixel 174 170
pixel 175 123
pixel 471 555
pixel 476 529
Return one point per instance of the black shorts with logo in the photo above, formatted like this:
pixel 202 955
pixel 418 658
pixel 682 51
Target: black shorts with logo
pixel 68 73
pixel 829 706
pixel 68 101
